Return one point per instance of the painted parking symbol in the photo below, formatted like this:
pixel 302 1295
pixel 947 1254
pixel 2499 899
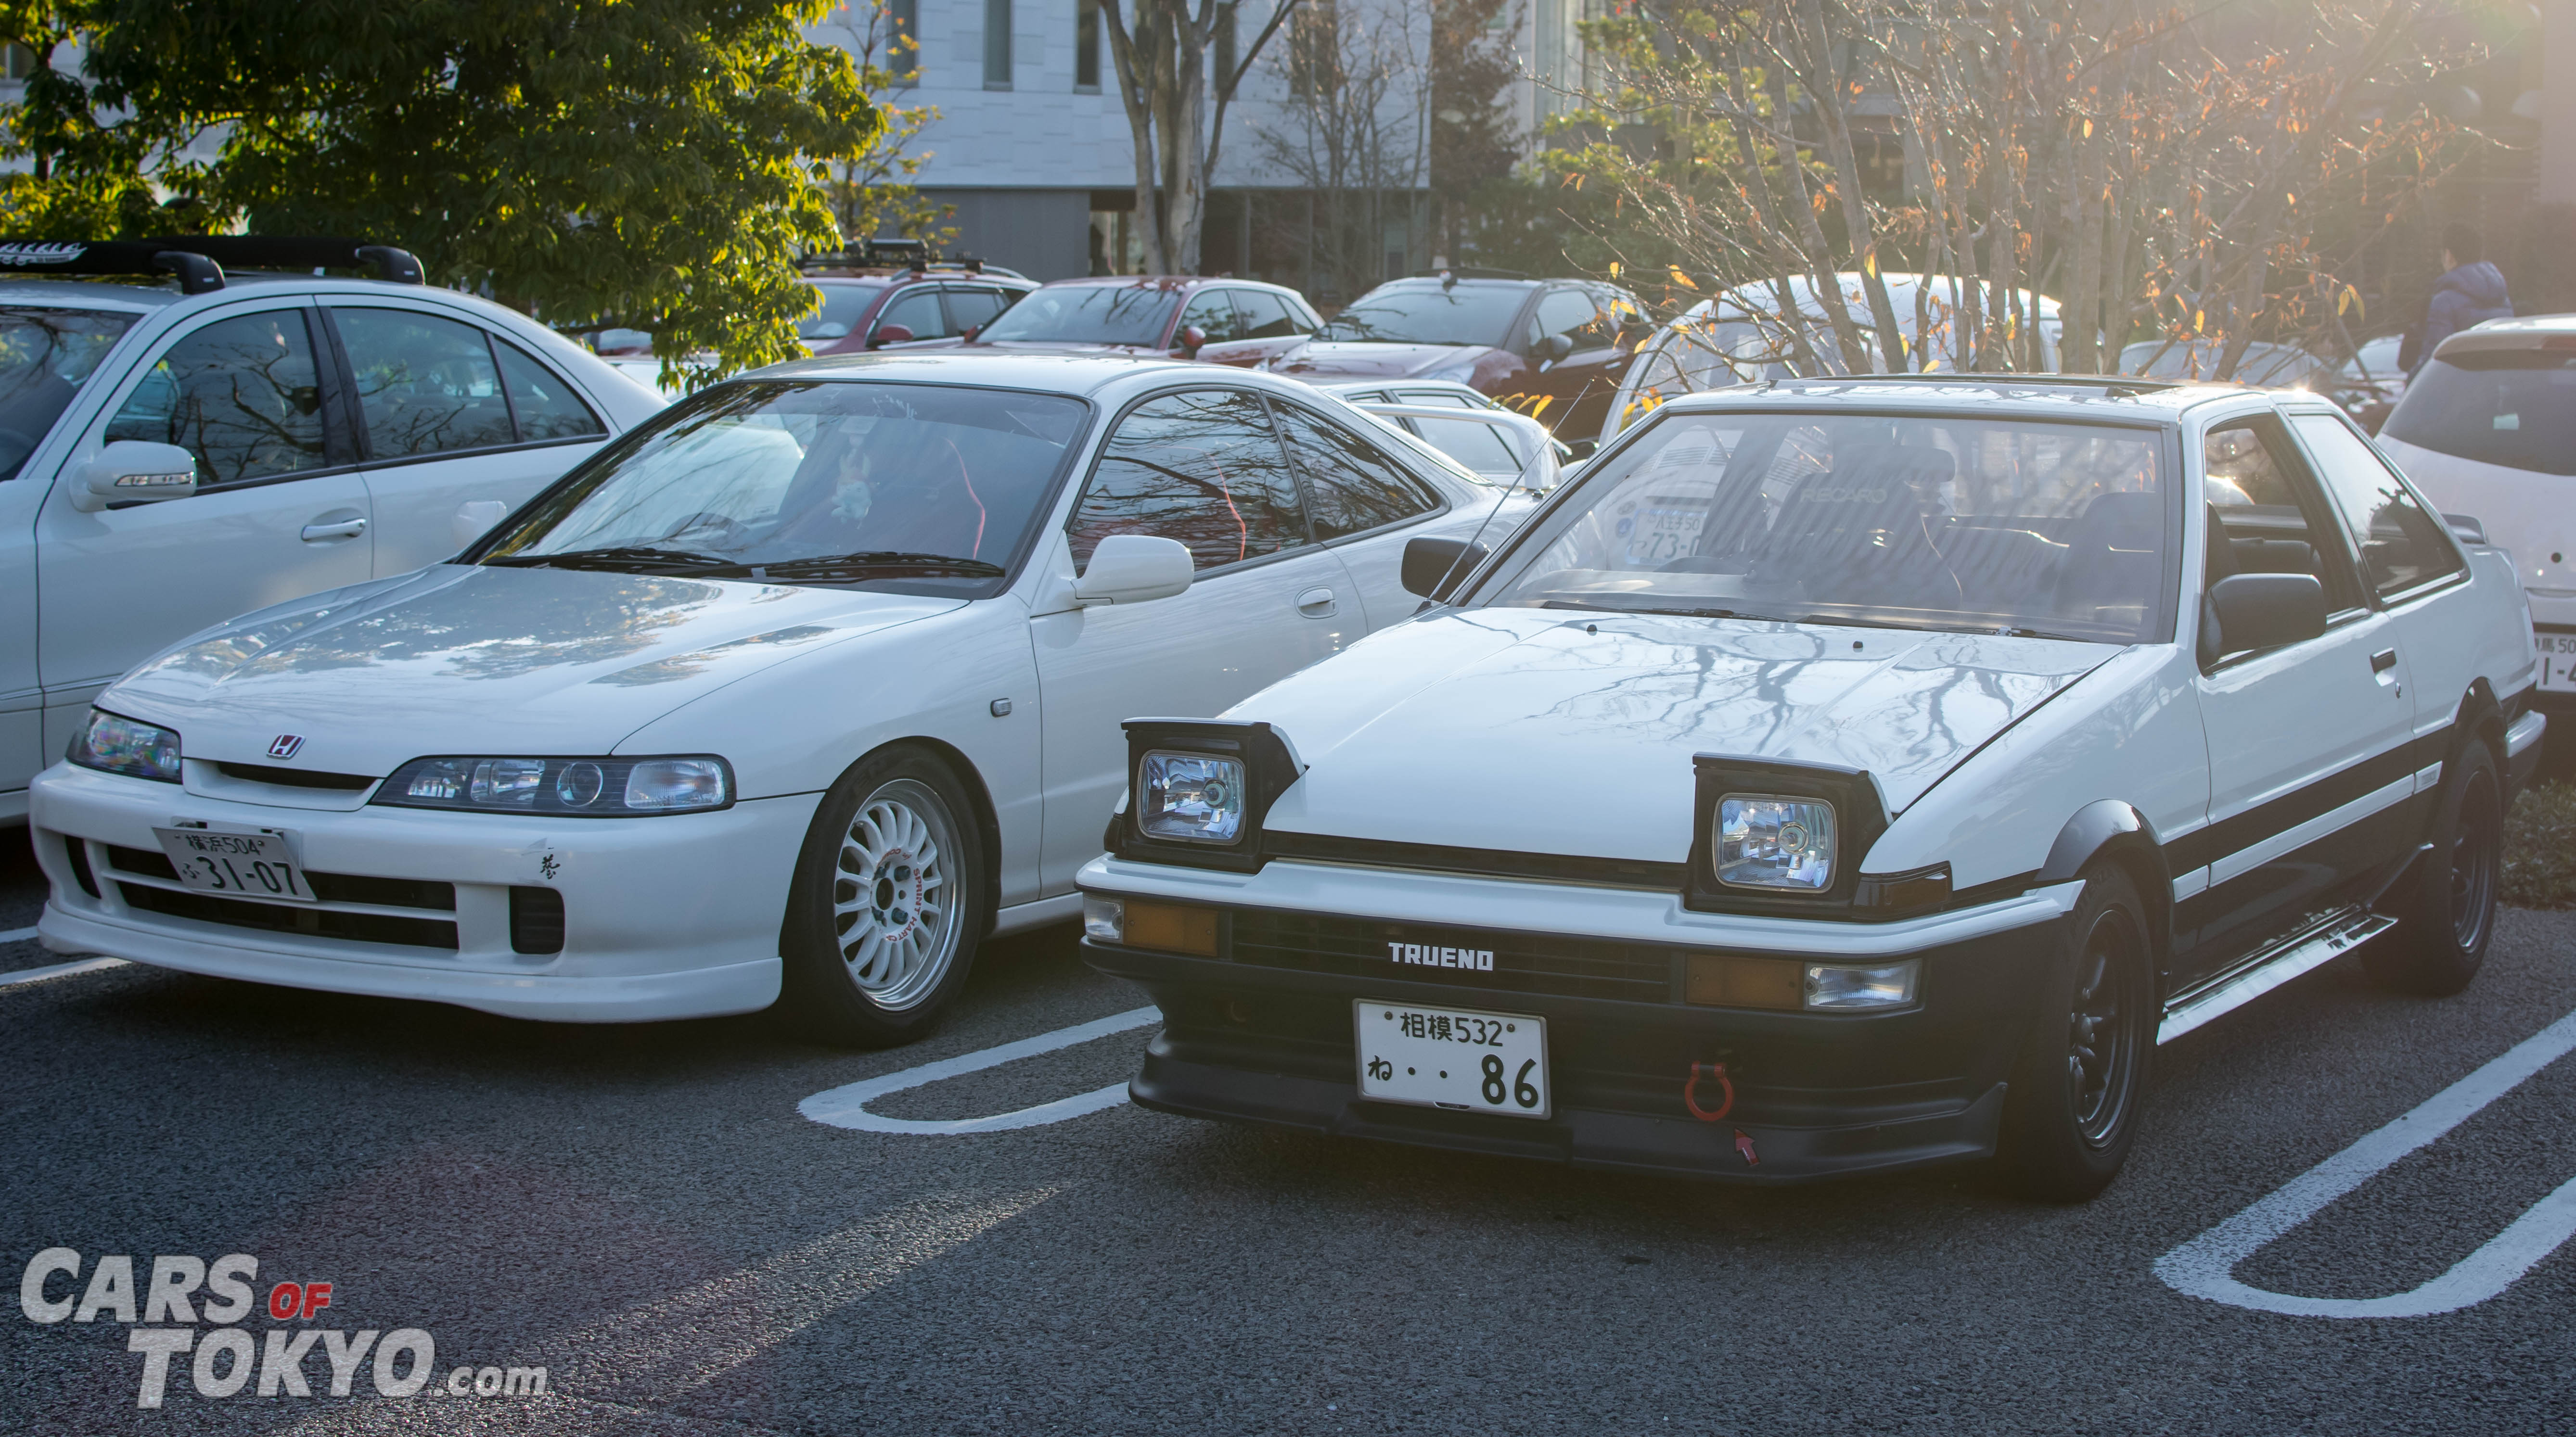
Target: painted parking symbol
pixel 2205 1266
pixel 847 1106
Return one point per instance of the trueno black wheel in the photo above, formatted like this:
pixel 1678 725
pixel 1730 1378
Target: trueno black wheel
pixel 888 903
pixel 2070 1114
pixel 2445 906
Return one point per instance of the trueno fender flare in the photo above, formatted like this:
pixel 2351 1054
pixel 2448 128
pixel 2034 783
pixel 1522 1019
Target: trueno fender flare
pixel 2108 827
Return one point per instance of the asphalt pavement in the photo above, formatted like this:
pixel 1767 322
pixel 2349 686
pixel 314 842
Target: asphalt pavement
pixel 644 1213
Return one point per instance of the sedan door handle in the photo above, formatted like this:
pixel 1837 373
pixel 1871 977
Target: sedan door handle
pixel 1316 603
pixel 2383 661
pixel 345 529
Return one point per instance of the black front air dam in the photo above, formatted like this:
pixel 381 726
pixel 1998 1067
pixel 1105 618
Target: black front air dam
pixel 1816 1095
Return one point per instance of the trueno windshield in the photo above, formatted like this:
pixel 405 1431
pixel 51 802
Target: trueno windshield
pixel 2514 407
pixel 1464 313
pixel 1952 523
pixel 45 356
pixel 1088 314
pixel 815 482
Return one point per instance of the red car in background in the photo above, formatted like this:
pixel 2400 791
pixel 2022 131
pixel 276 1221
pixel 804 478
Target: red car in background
pixel 892 292
pixel 1553 349
pixel 1242 322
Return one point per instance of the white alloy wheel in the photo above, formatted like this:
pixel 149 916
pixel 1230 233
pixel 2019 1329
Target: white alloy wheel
pixel 894 894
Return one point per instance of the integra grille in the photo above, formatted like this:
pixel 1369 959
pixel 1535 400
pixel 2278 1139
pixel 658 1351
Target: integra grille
pixel 1521 963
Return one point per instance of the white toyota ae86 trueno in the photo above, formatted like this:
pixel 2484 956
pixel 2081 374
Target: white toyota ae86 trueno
pixel 809 684
pixel 1840 776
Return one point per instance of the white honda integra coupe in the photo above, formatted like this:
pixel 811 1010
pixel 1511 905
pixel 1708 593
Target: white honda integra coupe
pixel 1840 775
pixel 807 685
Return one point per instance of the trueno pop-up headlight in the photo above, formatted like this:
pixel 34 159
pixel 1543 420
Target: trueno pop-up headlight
pixel 1768 840
pixel 562 787
pixel 113 743
pixel 1190 797
pixel 1198 790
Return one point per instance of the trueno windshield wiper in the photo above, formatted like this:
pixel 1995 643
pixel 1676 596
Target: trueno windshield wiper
pixel 624 556
pixel 876 561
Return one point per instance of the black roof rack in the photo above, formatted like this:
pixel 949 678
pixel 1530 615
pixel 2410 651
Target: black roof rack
pixel 915 255
pixel 199 260
pixel 1468 271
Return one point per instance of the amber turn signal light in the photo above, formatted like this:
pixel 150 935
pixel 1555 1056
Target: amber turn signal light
pixel 1724 981
pixel 1172 928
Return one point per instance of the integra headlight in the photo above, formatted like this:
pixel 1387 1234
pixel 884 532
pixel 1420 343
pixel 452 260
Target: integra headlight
pixel 1199 788
pixel 562 787
pixel 113 743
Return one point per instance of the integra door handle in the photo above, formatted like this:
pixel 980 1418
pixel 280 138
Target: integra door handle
pixel 345 529
pixel 2383 661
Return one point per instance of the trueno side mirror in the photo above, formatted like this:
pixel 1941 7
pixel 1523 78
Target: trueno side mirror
pixel 890 334
pixel 1433 567
pixel 133 471
pixel 1131 568
pixel 1193 339
pixel 2264 611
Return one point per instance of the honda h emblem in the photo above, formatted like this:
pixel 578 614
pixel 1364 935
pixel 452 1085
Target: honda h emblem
pixel 285 745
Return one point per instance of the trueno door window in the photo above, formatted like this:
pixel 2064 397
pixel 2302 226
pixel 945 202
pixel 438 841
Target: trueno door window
pixel 1352 487
pixel 2401 545
pixel 242 394
pixel 1202 467
pixel 2262 516
pixel 426 385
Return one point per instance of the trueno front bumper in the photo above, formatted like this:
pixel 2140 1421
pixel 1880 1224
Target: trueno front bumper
pixel 664 917
pixel 1262 1032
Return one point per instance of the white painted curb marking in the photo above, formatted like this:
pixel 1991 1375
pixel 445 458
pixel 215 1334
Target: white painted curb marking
pixel 17 935
pixel 59 970
pixel 2204 1266
pixel 847 1106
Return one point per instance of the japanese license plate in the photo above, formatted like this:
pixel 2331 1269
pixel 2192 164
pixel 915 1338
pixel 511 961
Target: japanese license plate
pixel 1663 531
pixel 1463 1061
pixel 236 865
pixel 2557 662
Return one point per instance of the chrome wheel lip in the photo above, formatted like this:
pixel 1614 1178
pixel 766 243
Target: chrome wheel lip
pixel 2475 858
pixel 894 922
pixel 2101 1057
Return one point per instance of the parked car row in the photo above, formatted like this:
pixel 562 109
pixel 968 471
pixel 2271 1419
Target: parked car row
pixel 1876 767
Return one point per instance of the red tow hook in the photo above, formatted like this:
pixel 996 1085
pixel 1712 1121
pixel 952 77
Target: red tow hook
pixel 1690 1091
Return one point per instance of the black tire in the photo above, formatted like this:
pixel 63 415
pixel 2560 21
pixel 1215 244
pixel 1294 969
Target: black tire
pixel 888 903
pixel 2445 905
pixel 2071 1112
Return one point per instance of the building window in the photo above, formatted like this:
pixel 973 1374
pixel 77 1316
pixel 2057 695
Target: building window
pixel 1086 46
pixel 903 42
pixel 1315 50
pixel 17 62
pixel 997 44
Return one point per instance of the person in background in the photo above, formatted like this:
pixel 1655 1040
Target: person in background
pixel 2469 292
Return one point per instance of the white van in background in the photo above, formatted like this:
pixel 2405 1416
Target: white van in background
pixel 2487 429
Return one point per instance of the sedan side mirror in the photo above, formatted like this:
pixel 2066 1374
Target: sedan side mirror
pixel 890 334
pixel 1131 568
pixel 1559 346
pixel 969 333
pixel 1433 567
pixel 2264 611
pixel 1193 339
pixel 133 471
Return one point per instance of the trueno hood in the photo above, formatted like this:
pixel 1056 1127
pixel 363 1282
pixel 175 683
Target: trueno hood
pixel 1368 359
pixel 468 659
pixel 1574 733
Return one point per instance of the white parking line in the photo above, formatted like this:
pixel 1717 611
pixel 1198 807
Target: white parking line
pixel 59 970
pixel 2204 1266
pixel 17 935
pixel 847 1106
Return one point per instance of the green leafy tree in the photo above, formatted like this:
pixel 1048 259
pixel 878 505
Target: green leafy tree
pixel 652 164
